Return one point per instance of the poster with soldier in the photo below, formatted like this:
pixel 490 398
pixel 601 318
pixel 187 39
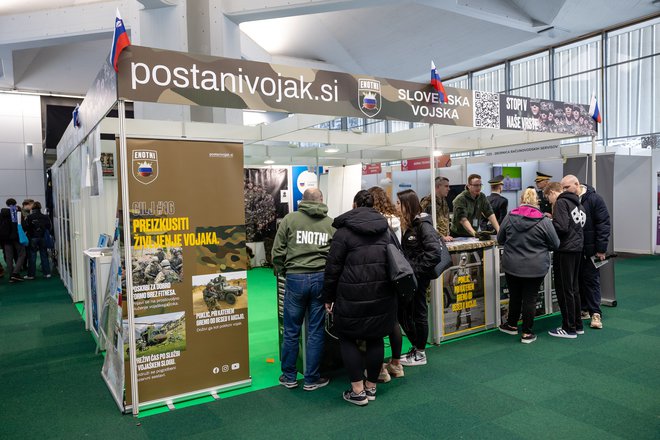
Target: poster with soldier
pixel 187 235
pixel 463 288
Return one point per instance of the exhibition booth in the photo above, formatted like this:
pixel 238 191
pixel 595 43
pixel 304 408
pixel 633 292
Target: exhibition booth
pixel 187 208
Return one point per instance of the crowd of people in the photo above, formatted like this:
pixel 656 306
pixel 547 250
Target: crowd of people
pixel 339 268
pixel 25 233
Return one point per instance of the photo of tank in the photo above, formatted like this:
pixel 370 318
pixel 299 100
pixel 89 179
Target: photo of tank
pixel 155 266
pixel 219 291
pixel 157 333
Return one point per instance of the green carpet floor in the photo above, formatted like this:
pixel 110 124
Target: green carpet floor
pixel 605 384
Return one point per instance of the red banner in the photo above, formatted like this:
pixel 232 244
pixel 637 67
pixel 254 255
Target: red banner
pixel 424 163
pixel 371 168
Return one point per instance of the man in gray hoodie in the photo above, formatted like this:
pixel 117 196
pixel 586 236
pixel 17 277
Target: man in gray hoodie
pixel 299 252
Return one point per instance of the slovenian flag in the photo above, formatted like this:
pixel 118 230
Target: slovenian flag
pixel 594 112
pixel 437 84
pixel 120 41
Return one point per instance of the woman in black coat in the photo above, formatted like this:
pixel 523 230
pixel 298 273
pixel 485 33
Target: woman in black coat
pixel 358 292
pixel 422 248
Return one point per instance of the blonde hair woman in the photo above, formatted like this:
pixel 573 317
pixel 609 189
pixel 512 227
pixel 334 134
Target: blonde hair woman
pixel 529 197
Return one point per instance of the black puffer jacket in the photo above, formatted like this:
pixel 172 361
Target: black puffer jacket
pixel 37 224
pixel 356 277
pixel 597 227
pixel 421 246
pixel 568 218
pixel 8 229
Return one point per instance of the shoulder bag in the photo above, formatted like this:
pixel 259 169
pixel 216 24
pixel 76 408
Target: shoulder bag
pixel 400 271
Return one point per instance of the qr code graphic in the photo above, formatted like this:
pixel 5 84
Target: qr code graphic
pixel 486 109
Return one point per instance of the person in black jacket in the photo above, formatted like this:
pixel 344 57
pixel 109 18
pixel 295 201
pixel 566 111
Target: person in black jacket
pixel 596 241
pixel 12 248
pixel 528 237
pixel 422 248
pixel 36 226
pixel 568 218
pixel 498 202
pixel 358 293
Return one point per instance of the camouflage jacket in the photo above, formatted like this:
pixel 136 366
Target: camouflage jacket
pixel 441 210
pixel 167 276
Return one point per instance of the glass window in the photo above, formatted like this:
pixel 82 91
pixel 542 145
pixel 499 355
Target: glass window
pixel 460 82
pixel 375 126
pixel 633 98
pixel 489 80
pixel 530 70
pixel 633 42
pixel 541 91
pixel 577 57
pixel 398 126
pixel 355 122
pixel 578 88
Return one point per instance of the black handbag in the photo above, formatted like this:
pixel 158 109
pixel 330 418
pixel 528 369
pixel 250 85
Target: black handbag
pixel 445 260
pixel 400 271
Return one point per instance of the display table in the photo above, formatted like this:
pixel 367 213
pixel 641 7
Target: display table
pixel 463 298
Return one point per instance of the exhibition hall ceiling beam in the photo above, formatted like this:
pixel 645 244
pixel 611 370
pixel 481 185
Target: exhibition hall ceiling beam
pixel 291 124
pixel 60 22
pixel 529 15
pixel 240 11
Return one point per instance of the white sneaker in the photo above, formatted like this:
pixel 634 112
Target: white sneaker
pixel 413 358
pixel 596 321
pixel 383 377
pixel 395 370
pixel 584 315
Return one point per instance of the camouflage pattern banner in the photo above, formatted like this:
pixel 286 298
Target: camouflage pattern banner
pixel 189 266
pixel 155 75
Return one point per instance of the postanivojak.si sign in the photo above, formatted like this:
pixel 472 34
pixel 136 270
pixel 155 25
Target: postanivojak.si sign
pixel 154 75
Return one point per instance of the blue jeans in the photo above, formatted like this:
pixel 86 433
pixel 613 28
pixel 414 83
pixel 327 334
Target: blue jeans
pixel 38 245
pixel 303 295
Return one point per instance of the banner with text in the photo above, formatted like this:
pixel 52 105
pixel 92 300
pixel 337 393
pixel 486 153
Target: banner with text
pixel 464 308
pixel 424 163
pixel 155 75
pixel 189 263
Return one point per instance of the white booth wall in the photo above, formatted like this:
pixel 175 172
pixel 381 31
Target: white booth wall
pixel 633 204
pixel 655 215
pixel 21 174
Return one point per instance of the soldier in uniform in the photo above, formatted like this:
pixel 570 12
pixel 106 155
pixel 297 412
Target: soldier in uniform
pixel 176 262
pixel 160 254
pixel 542 181
pixel 139 278
pixel 210 294
pixel 167 275
pixel 152 270
pixel 441 206
pixel 498 203
pixel 469 208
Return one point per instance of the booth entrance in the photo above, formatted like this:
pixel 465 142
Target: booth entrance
pixel 161 326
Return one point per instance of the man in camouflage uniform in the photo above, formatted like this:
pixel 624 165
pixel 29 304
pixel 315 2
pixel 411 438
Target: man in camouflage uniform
pixel 212 290
pixel 167 275
pixel 176 262
pixel 469 208
pixel 152 270
pixel 139 278
pixel 160 254
pixel 441 206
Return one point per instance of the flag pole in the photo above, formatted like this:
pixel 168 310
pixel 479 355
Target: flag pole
pixel 432 167
pixel 593 161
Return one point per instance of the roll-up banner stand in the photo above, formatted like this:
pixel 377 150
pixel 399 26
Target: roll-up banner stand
pixel 186 270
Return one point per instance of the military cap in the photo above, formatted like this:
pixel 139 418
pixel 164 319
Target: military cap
pixel 497 180
pixel 542 176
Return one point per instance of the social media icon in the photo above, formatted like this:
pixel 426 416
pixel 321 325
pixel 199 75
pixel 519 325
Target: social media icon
pixel 216 370
pixel 235 366
pixel 225 368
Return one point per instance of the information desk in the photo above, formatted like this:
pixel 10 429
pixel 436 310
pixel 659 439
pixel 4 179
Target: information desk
pixel 463 298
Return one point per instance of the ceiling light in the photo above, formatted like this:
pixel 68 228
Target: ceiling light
pixel 269 161
pixel 332 150
pixel 437 153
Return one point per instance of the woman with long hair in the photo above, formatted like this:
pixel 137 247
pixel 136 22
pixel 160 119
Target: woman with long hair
pixel 358 292
pixel 384 205
pixel 528 237
pixel 421 246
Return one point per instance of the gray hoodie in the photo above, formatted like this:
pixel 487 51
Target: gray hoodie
pixel 527 236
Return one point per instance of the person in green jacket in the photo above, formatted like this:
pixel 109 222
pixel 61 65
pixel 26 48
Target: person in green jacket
pixel 299 252
pixel 470 207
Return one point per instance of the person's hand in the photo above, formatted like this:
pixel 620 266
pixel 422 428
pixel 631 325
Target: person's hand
pixel 328 307
pixel 600 255
pixel 448 238
pixel 547 214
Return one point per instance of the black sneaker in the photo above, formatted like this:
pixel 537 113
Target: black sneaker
pixel 508 329
pixel 15 278
pixel 561 333
pixel 370 392
pixel 323 381
pixel 359 399
pixel 287 383
pixel 528 339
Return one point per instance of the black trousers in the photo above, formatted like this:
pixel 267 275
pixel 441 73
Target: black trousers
pixel 522 297
pixel 589 286
pixel 414 318
pixel 567 272
pixel 355 361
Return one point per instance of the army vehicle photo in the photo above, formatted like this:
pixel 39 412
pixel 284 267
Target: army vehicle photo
pixel 218 290
pixel 157 333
